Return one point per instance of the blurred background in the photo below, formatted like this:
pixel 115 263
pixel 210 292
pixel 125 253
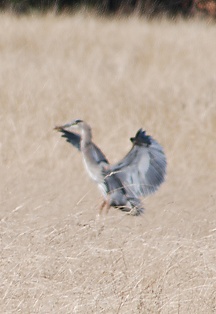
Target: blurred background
pixel 149 8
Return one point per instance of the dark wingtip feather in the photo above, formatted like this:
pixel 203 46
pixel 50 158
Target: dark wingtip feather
pixel 70 137
pixel 141 138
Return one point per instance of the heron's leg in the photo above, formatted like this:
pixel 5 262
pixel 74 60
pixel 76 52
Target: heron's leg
pixel 105 205
pixel 102 206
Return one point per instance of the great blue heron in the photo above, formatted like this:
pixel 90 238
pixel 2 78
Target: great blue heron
pixel 138 174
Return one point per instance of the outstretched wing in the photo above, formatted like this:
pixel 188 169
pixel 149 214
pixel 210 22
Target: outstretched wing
pixel 75 140
pixel 143 169
pixel 71 137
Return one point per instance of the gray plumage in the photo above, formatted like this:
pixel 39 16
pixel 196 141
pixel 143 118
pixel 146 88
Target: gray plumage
pixel 138 174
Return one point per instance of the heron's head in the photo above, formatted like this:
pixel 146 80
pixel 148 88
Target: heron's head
pixel 77 124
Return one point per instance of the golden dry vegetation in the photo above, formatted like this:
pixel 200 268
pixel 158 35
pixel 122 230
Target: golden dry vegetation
pixel 57 256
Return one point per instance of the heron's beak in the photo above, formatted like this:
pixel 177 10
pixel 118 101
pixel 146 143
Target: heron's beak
pixel 61 127
pixel 67 125
pixel 57 128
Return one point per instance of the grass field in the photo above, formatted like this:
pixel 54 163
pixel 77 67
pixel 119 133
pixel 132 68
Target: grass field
pixel 57 256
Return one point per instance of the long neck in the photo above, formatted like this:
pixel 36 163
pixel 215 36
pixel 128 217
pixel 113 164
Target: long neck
pixel 86 135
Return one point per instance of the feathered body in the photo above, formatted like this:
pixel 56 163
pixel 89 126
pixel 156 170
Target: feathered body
pixel 138 174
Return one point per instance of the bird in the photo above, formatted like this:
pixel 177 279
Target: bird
pixel 124 183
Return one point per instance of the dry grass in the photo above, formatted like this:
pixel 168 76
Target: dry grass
pixel 119 75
